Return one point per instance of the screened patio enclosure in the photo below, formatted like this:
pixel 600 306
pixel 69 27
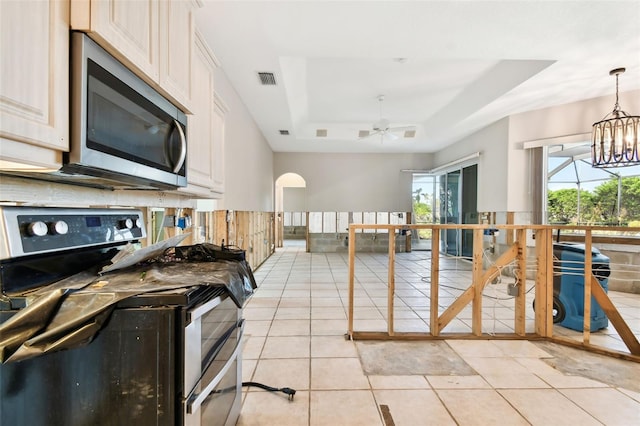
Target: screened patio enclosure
pixel 587 195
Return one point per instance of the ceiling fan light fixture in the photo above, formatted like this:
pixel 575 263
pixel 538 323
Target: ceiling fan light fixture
pixel 615 137
pixel 381 125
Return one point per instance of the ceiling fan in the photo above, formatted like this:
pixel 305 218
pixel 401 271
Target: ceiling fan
pixel 382 127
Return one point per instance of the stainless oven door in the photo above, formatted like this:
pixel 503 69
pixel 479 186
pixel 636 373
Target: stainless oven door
pixel 215 400
pixel 212 362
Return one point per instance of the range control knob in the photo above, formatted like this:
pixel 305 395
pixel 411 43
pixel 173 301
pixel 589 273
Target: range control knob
pixel 59 227
pixel 39 229
pixel 125 223
pixel 138 223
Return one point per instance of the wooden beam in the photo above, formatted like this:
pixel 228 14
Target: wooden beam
pixel 568 341
pixel 603 239
pixel 352 263
pixel 454 309
pixel 307 248
pixel 505 258
pixel 477 284
pixel 614 316
pixel 521 276
pixel 586 320
pixel 418 336
pixel 391 278
pixel 434 284
pixel 509 231
pixel 544 283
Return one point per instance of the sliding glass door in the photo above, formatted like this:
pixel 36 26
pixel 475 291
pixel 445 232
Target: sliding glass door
pixel 458 204
pixel 450 185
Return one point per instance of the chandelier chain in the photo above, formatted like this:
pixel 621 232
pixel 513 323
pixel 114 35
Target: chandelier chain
pixel 616 108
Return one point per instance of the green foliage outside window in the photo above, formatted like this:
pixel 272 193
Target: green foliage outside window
pixel 422 211
pixel 599 207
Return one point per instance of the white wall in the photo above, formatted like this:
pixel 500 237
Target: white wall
pixel 249 178
pixel 545 125
pixel 354 182
pixel 493 180
pixel 294 199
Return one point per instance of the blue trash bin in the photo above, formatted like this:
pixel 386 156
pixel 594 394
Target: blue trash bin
pixel 568 285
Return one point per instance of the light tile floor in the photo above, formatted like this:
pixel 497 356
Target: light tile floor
pixel 295 326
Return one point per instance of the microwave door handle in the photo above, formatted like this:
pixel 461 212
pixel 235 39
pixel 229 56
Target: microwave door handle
pixel 183 147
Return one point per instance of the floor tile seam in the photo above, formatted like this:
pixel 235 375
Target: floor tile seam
pixel 444 405
pixel 575 404
pixel 496 391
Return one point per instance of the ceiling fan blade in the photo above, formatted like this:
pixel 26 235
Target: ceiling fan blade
pixel 390 136
pixel 401 128
pixel 377 132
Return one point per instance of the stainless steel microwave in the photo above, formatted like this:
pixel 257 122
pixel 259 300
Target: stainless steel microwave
pixel 122 129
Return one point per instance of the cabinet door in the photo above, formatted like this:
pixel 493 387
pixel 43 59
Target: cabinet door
pixel 34 81
pixel 176 46
pixel 219 112
pixel 200 153
pixel 130 27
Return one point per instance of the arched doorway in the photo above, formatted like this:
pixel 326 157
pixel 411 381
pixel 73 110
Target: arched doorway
pixel 291 210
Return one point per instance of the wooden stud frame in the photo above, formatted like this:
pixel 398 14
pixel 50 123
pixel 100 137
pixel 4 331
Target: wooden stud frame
pixel 516 251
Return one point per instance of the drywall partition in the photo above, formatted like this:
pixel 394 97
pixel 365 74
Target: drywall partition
pixel 354 182
pixel 493 163
pixel 249 160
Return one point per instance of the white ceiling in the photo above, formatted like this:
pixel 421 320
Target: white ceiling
pixel 464 64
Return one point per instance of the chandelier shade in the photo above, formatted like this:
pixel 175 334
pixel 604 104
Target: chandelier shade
pixel 615 137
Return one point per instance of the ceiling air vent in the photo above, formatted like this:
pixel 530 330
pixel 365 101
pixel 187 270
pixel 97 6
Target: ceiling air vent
pixel 363 133
pixel 409 133
pixel 284 132
pixel 321 133
pixel 267 78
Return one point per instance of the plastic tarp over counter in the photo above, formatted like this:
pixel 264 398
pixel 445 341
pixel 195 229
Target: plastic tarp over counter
pixel 70 312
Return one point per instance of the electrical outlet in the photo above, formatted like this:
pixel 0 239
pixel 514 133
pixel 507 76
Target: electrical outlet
pixel 513 290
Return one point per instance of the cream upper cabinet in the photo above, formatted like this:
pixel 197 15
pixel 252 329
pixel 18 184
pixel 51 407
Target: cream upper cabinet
pixel 34 84
pixel 203 125
pixel 176 44
pixel 219 112
pixel 152 37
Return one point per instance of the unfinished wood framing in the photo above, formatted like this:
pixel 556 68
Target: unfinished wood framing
pixel 352 258
pixel 435 283
pixel 515 253
pixel 253 232
pixel 391 279
pixel 587 288
pixel 521 279
pixel 544 275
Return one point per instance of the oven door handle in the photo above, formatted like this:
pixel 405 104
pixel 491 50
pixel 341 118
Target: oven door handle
pixel 183 147
pixel 198 312
pixel 196 400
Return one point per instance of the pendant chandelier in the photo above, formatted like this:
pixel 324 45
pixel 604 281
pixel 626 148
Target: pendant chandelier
pixel 615 137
